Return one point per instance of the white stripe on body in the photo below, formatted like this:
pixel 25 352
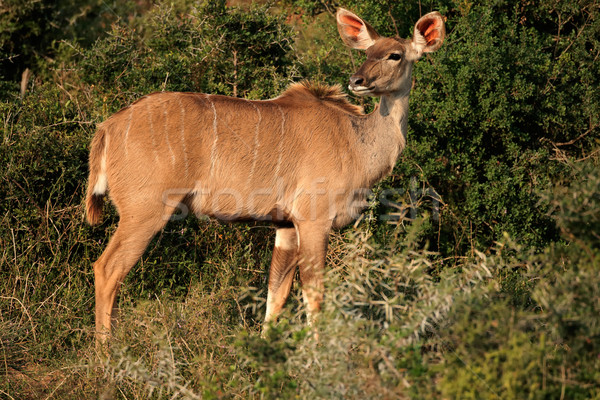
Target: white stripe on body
pixel 166 128
pixel 127 130
pixel 182 134
pixel 256 144
pixel 152 134
pixel 280 148
pixel 213 151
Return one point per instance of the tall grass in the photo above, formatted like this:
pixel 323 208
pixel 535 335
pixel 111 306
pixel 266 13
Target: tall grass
pixel 392 326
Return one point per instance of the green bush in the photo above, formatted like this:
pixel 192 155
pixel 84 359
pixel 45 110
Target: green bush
pixel 29 30
pixel 491 108
pixel 212 49
pixel 551 348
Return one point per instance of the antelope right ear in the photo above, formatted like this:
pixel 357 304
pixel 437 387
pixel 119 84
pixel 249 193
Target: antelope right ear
pixel 429 34
pixel 355 32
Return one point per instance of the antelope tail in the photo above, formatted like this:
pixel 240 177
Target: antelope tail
pixel 97 183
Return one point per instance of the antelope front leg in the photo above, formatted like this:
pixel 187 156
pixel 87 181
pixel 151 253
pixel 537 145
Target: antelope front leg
pixel 314 236
pixel 281 274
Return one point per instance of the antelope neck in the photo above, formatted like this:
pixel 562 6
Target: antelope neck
pixel 385 134
pixel 390 117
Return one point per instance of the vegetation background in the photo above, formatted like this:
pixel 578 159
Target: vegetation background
pixel 474 273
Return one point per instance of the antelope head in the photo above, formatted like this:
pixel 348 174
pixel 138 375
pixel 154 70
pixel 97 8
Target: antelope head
pixel 388 67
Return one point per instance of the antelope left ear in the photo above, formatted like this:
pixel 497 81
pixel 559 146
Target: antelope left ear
pixel 429 34
pixel 355 32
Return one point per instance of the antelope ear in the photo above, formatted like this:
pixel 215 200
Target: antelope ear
pixel 429 34
pixel 355 32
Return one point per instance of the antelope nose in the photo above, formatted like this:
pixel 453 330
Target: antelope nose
pixel 356 80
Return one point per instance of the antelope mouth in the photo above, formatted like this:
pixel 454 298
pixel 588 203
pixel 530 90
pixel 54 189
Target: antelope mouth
pixel 361 90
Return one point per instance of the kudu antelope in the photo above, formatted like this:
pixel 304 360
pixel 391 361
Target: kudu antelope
pixel 303 160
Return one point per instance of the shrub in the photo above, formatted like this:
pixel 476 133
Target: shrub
pixel 30 29
pixel 490 110
pixel 212 49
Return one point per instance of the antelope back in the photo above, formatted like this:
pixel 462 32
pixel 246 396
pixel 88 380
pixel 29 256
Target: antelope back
pixel 233 158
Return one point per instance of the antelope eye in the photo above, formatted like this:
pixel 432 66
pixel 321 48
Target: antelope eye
pixel 395 56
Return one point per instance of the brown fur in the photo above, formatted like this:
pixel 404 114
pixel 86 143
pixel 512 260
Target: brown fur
pixel 304 160
pixel 93 203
